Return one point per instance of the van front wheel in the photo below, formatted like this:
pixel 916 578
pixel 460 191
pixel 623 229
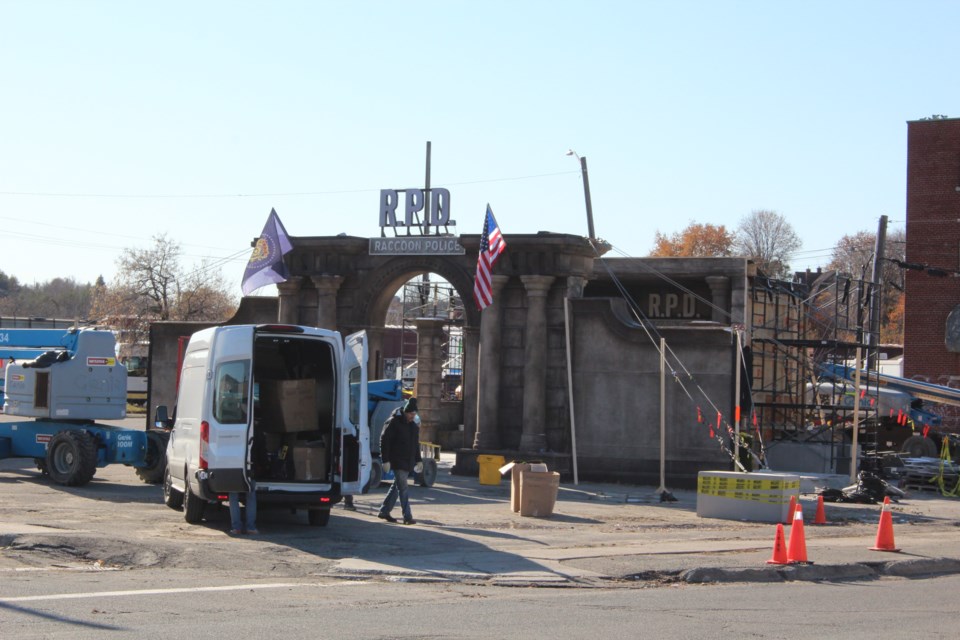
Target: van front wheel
pixel 318 517
pixel 192 506
pixel 171 497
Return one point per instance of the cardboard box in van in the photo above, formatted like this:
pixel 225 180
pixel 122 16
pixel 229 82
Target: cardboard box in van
pixel 309 462
pixel 288 406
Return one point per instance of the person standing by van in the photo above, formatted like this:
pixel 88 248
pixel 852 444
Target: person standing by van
pixel 247 524
pixel 400 449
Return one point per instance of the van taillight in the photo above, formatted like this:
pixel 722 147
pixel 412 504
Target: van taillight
pixel 204 443
pixel 324 499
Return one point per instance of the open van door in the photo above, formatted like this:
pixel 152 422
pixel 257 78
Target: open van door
pixel 355 458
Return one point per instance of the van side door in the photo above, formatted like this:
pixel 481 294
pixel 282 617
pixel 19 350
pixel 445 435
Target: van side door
pixel 355 459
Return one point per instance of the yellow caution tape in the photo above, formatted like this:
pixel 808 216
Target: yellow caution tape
pixel 944 460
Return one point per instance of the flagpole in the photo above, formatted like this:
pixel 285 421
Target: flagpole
pixel 573 422
pixel 477 429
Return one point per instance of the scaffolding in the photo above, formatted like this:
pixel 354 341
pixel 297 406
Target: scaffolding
pixel 796 327
pixel 423 297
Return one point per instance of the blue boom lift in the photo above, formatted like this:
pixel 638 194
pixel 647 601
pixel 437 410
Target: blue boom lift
pixel 65 390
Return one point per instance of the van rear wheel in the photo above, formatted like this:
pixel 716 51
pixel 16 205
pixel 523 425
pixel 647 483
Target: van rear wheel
pixel 318 517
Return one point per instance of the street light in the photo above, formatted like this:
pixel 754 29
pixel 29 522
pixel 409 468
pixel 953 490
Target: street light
pixel 586 191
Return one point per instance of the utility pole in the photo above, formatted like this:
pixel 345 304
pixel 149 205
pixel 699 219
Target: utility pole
pixel 586 195
pixel 586 191
pixel 873 337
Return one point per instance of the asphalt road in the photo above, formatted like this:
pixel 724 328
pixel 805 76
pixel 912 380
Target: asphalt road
pixel 188 603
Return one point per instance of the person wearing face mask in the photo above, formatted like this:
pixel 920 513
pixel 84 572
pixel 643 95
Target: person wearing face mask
pixel 400 450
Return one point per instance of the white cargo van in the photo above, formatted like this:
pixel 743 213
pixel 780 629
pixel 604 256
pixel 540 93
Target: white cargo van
pixel 283 405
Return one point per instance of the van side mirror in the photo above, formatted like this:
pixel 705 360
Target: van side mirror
pixel 160 419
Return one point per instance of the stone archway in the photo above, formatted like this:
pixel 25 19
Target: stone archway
pixel 336 283
pixel 373 298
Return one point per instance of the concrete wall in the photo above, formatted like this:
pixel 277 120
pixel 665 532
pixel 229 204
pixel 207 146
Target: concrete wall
pixel 616 379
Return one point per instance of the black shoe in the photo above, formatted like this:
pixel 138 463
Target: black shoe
pixel 387 517
pixel 409 521
pixel 349 507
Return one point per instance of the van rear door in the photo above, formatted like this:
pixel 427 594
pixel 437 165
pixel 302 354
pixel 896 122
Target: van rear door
pixel 230 407
pixel 355 461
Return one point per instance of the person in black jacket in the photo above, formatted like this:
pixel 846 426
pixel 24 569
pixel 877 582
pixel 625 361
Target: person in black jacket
pixel 400 450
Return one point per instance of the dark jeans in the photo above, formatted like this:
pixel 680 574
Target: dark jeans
pixel 398 488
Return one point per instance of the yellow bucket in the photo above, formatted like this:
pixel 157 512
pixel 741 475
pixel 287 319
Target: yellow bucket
pixel 490 468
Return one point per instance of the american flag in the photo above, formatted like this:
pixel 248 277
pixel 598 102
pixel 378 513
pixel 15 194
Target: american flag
pixel 492 245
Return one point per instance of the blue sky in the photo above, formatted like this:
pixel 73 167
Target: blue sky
pixel 123 120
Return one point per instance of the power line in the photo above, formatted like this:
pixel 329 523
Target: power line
pixel 288 194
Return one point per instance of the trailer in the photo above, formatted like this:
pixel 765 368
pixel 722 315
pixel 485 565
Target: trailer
pixel 62 394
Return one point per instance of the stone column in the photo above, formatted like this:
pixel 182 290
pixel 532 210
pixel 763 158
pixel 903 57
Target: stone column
pixel 720 292
pixel 575 285
pixel 488 401
pixel 534 435
pixel 429 374
pixel 327 287
pixel 471 340
pixel 289 294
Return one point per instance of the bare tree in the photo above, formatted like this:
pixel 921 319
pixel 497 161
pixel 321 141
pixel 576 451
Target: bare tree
pixel 768 239
pixel 853 256
pixel 150 285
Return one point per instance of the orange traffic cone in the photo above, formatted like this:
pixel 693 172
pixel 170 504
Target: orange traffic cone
pixel 779 548
pixel 885 530
pixel 797 548
pixel 821 517
pixel 791 509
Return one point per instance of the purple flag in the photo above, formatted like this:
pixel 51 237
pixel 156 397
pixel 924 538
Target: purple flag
pixel 266 263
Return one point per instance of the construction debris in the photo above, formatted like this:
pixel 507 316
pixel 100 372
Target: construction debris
pixel 869 489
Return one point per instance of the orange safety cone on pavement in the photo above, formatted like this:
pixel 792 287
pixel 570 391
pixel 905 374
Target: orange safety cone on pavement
pixel 779 548
pixel 885 530
pixel 797 547
pixel 821 517
pixel 791 509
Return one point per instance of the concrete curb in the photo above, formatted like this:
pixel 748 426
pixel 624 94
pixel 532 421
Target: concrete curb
pixel 913 568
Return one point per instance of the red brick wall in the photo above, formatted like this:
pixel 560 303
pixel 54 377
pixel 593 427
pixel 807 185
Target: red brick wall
pixel 933 239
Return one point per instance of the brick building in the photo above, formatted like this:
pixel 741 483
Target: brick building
pixel 932 318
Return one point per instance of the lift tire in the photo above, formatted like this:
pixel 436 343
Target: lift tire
pixel 376 476
pixel 428 476
pixel 71 458
pixel 318 517
pixel 920 447
pixel 193 506
pixel 156 458
pixel 171 497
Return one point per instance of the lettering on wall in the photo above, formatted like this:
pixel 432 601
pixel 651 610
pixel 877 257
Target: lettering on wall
pixel 673 305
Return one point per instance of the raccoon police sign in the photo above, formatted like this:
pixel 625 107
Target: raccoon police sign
pixel 418 239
